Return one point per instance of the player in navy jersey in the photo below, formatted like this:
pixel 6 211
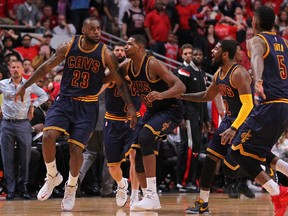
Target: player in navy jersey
pixel 119 137
pixel 75 109
pixel 233 82
pixel 158 89
pixel 266 123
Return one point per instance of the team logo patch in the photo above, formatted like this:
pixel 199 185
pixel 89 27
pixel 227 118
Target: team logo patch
pixel 245 136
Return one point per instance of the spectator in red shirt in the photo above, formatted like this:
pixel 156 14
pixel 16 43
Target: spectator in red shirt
pixel 27 50
pixel 227 28
pixel 185 11
pixel 48 14
pixel 157 27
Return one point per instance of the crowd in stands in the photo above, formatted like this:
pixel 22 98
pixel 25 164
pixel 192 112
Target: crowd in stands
pixel 168 25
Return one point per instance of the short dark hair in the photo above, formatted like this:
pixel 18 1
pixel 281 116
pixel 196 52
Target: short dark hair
pixel 140 39
pixel 229 46
pixel 266 17
pixel 90 19
pixel 118 44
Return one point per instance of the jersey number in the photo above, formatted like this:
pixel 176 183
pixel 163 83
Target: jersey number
pixel 80 79
pixel 282 67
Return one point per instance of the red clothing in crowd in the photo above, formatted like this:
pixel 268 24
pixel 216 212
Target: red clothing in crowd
pixel 3 8
pixel 186 13
pixel 159 25
pixel 29 52
pixel 223 31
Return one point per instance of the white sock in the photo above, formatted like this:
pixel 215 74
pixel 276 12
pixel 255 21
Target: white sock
pixel 272 187
pixel 143 191
pixel 204 195
pixel 51 168
pixel 121 183
pixel 151 184
pixel 72 181
pixel 134 194
pixel 282 167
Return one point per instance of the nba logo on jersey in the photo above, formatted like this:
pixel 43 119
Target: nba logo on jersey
pixel 275 38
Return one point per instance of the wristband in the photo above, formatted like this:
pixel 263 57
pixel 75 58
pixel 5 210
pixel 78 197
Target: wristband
pixel 233 128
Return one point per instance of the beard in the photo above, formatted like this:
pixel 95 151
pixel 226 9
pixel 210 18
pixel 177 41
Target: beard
pixel 217 63
pixel 121 59
pixel 91 41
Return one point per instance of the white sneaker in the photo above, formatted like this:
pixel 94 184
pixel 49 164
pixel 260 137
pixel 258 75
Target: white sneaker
pixel 50 183
pixel 133 201
pixel 68 201
pixel 149 202
pixel 121 194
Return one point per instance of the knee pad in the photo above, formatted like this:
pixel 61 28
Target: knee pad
pixel 138 162
pixel 146 140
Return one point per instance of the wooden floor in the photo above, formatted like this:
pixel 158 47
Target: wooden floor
pixel 172 204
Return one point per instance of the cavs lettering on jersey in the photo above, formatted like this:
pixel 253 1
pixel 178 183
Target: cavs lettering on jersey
pixel 116 108
pixel 275 81
pixel 229 93
pixel 83 71
pixel 142 85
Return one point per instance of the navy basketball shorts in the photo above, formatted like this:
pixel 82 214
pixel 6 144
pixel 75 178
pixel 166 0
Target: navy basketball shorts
pixel 214 146
pixel 261 130
pixel 77 119
pixel 118 139
pixel 160 123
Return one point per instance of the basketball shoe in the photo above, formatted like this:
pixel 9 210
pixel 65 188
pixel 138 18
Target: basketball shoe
pixel 68 201
pixel 50 183
pixel 121 194
pixel 280 201
pixel 149 202
pixel 133 201
pixel 200 207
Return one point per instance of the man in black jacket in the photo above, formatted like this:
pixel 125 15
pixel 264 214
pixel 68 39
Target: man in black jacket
pixel 195 118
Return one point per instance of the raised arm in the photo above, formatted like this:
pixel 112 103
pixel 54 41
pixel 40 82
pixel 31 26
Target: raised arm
pixel 45 68
pixel 203 96
pixel 157 69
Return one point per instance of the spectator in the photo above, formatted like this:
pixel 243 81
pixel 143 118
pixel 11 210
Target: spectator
pixel 8 43
pixel 27 50
pixel 282 20
pixel 16 129
pixel 79 11
pixel 28 69
pixel 186 54
pixel 227 28
pixel 111 10
pixel 64 28
pixel 157 27
pixel 3 18
pixel 133 20
pixel 227 7
pixel 172 50
pixel 12 6
pixel 44 54
pixel 185 12
pixel 28 15
pixel 48 14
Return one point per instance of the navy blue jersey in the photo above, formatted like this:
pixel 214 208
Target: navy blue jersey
pixel 142 85
pixel 116 108
pixel 229 92
pixel 83 71
pixel 275 81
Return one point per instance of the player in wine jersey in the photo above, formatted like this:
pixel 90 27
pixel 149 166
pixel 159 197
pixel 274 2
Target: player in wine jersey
pixel 233 82
pixel 75 109
pixel 266 123
pixel 119 137
pixel 158 89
